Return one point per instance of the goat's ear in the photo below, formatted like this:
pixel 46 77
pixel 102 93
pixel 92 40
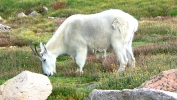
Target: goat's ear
pixel 42 48
pixel 45 50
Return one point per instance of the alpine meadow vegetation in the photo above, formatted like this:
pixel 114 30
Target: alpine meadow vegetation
pixel 154 44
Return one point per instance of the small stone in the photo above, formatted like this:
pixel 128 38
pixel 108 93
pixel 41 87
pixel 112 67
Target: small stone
pixel 4 28
pixel 33 14
pixel 45 9
pixel 1 20
pixel 21 15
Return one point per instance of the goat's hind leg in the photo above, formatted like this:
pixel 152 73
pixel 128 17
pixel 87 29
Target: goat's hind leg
pixel 131 58
pixel 130 55
pixel 120 52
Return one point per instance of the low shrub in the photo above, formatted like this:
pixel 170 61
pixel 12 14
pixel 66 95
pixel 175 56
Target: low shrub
pixel 58 5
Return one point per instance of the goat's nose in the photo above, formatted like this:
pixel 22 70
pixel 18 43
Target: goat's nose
pixel 48 74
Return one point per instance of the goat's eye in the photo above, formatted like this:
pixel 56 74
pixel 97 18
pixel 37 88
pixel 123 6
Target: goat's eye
pixel 44 60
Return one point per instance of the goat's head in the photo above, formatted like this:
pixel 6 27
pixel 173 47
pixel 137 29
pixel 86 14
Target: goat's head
pixel 47 59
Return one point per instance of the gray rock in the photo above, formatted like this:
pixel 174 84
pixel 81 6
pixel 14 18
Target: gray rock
pixel 26 86
pixel 33 14
pixel 4 28
pixel 135 94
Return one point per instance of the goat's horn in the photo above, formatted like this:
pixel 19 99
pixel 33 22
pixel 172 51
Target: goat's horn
pixel 34 50
pixel 37 52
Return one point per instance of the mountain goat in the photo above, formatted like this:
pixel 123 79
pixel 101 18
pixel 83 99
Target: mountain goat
pixel 110 30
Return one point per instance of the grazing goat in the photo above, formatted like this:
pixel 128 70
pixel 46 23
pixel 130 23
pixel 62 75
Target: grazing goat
pixel 110 30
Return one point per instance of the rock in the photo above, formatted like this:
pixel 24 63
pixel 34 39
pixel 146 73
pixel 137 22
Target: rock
pixel 33 14
pixel 45 9
pixel 21 15
pixel 136 94
pixel 158 18
pixel 26 86
pixel 166 81
pixel 1 20
pixel 4 28
pixel 51 17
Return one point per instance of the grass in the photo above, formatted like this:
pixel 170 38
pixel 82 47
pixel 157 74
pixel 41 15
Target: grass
pixel 138 8
pixel 154 45
pixel 14 60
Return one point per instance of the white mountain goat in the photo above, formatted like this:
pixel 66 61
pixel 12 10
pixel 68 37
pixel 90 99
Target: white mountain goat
pixel 101 32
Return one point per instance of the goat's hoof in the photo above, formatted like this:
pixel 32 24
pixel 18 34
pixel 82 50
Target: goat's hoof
pixel 78 71
pixel 121 69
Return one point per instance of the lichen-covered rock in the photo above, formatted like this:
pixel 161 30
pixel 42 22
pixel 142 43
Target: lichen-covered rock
pixel 136 94
pixel 26 86
pixel 166 81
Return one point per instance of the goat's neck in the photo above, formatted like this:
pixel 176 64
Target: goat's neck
pixel 55 45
